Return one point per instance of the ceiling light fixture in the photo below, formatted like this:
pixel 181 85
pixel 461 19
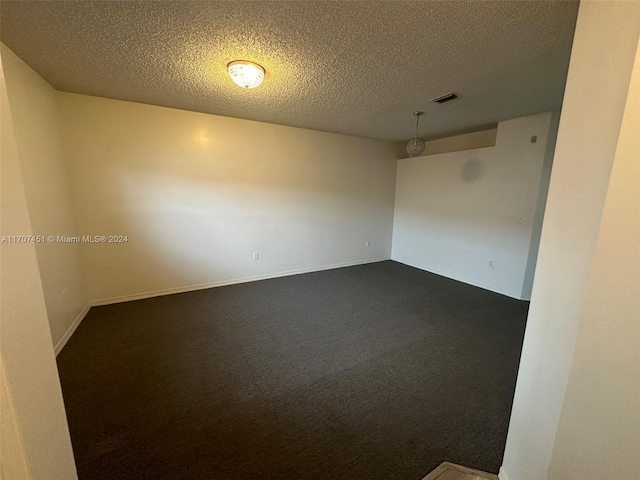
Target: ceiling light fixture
pixel 246 74
pixel 415 146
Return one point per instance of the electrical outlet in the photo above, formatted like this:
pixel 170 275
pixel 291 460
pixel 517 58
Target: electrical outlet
pixel 65 296
pixel 491 263
pixel 367 243
pixel 256 255
pixel 534 138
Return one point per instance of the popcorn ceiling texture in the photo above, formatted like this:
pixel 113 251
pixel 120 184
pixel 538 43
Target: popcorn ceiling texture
pixel 358 68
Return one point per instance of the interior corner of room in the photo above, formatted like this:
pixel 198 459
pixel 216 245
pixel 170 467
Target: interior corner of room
pixel 110 200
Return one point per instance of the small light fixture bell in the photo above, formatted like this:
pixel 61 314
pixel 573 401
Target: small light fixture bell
pixel 246 74
pixel 415 146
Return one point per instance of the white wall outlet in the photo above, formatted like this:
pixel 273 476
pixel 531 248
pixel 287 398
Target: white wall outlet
pixel 491 263
pixel 367 243
pixel 256 255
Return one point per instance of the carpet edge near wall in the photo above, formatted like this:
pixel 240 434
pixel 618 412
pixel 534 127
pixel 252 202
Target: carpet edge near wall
pixel 222 283
pixel 516 296
pixel 59 345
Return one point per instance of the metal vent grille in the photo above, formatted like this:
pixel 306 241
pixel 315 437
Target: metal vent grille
pixel 447 97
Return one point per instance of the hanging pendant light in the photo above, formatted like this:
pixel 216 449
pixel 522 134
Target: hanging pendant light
pixel 415 146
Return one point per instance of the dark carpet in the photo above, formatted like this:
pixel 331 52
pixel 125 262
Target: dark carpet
pixel 378 371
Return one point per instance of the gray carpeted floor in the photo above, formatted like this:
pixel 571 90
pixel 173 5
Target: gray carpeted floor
pixel 378 371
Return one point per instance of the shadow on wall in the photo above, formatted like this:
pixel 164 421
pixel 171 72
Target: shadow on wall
pixel 472 170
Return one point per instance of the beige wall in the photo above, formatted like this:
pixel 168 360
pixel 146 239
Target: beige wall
pixel 32 413
pixel 599 432
pixel 34 112
pixel 457 212
pixel 12 462
pixel 197 194
pixel 597 86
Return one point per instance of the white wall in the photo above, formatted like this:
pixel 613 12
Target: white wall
pixel 456 212
pixel 599 432
pixel 35 436
pixel 541 203
pixel 197 194
pixel 603 52
pixel 34 112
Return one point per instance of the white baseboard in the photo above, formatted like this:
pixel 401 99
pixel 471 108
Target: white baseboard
pixel 234 281
pixel 190 288
pixel 72 328
pixel 502 474
pixel 517 296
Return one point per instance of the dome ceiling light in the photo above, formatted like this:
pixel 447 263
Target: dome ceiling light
pixel 246 74
pixel 415 146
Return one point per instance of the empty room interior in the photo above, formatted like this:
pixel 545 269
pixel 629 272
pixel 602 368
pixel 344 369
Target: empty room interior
pixel 368 240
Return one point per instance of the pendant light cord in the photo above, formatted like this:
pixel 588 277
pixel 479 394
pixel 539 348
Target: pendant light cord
pixel 418 115
pixel 415 146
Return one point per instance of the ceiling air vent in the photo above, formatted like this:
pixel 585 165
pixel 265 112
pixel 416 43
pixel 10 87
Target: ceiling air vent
pixel 447 97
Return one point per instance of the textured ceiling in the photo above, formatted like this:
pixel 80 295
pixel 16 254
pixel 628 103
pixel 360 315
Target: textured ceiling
pixel 359 68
